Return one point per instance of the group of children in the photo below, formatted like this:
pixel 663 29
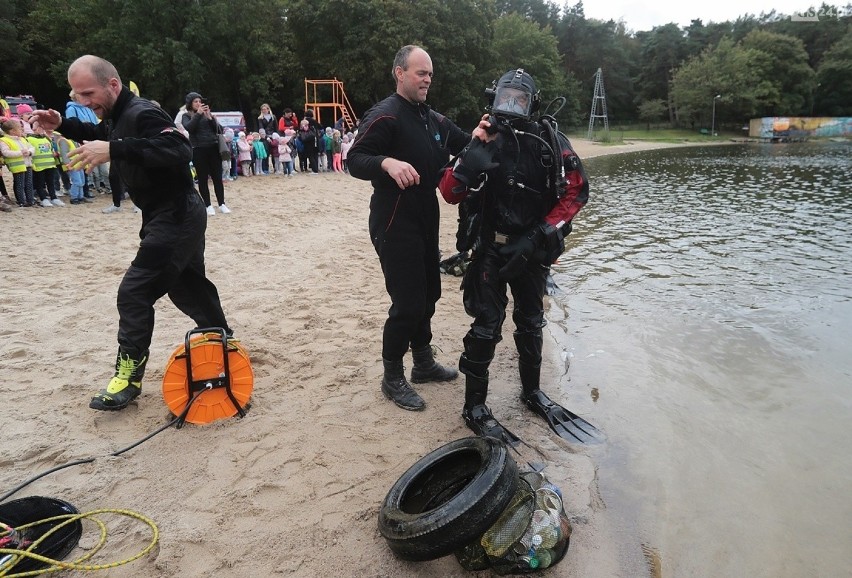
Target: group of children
pixel 40 165
pixel 258 153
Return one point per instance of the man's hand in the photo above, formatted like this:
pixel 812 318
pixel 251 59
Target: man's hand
pixel 482 130
pixel 519 254
pixel 46 119
pixel 474 160
pixel 89 155
pixel 400 171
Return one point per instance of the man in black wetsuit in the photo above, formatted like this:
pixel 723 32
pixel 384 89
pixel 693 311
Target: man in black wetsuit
pixel 152 159
pixel 401 147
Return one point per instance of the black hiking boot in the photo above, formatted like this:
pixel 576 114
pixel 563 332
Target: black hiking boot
pixel 427 369
pixel 397 389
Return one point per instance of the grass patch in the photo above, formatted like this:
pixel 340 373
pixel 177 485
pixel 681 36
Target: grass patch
pixel 666 135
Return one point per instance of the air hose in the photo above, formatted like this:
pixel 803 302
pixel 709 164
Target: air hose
pixel 26 483
pixel 10 557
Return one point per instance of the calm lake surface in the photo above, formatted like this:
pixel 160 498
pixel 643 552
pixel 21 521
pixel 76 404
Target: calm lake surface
pixel 706 308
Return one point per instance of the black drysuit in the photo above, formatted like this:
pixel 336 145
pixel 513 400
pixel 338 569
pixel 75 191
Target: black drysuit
pixel 404 223
pixel 521 195
pixel 152 159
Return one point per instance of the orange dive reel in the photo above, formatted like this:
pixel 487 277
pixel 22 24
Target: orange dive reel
pixel 207 378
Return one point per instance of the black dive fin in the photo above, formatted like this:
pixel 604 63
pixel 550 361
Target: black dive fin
pixel 567 425
pixel 483 423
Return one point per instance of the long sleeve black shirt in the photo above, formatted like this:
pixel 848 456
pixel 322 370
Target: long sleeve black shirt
pixel 408 132
pixel 151 156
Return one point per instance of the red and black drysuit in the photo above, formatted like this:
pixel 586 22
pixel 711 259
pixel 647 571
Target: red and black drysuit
pixel 404 223
pixel 525 197
pixel 152 158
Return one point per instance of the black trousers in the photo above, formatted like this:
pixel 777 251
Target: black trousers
pixel 404 231
pixel 485 299
pixel 61 179
pixel 44 184
pixel 170 261
pixel 208 164
pixel 117 186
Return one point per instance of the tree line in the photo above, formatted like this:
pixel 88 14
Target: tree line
pixel 242 54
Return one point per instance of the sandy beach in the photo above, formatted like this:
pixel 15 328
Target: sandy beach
pixel 294 488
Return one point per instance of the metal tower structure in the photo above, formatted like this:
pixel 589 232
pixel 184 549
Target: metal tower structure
pixel 338 102
pixel 599 96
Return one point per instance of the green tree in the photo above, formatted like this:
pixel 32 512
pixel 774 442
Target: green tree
pixel 228 55
pixel 457 35
pixel 739 75
pixel 700 37
pixel 791 73
pixel 818 37
pixel 834 92
pixel 653 110
pixel 588 44
pixel 12 73
pixel 766 74
pixel 520 43
pixel 662 50
pixel 541 12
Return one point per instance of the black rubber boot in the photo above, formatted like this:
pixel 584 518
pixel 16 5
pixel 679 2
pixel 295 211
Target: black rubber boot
pixel 125 385
pixel 477 416
pixel 530 378
pixel 397 389
pixel 475 413
pixel 427 369
pixel 529 362
pixel 474 363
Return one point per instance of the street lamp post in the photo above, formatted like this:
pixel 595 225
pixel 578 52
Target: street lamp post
pixel 713 122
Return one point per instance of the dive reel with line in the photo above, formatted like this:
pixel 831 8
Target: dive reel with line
pixel 208 378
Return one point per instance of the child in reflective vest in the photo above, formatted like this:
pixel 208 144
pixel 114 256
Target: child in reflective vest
pixel 76 175
pixel 18 155
pixel 44 169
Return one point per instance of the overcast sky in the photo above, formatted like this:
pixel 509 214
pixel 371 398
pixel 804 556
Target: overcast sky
pixel 644 15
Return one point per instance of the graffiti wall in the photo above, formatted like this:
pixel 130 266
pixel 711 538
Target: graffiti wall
pixel 800 127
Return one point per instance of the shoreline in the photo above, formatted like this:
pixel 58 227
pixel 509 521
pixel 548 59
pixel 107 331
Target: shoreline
pixel 295 486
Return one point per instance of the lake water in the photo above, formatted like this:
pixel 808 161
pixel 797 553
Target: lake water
pixel 706 308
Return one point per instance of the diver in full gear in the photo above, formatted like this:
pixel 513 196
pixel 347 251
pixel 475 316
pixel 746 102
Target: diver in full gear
pixel 520 187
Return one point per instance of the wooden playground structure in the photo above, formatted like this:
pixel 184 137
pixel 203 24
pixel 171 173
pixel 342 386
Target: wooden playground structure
pixel 329 96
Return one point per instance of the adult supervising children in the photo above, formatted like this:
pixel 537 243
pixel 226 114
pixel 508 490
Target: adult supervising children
pixel 401 147
pixel 152 158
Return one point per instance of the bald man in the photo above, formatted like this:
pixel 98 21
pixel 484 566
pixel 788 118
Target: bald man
pixel 152 158
pixel 401 147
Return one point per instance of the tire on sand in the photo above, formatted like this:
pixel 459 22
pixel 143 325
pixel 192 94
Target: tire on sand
pixel 448 498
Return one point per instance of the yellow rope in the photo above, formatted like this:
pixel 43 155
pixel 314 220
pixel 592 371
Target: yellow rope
pixel 59 565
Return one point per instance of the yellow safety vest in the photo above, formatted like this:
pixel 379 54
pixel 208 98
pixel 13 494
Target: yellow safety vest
pixel 43 157
pixel 15 164
pixel 69 166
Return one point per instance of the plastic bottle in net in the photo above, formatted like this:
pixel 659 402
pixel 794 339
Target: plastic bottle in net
pixel 511 525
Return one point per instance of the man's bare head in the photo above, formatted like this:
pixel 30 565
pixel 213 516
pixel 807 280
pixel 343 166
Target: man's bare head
pixel 102 70
pixel 95 82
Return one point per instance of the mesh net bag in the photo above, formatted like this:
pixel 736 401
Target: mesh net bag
pixel 531 534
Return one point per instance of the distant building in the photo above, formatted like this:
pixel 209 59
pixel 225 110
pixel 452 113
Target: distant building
pixel 799 127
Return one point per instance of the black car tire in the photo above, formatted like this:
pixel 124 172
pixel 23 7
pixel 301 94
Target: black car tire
pixel 32 509
pixel 448 498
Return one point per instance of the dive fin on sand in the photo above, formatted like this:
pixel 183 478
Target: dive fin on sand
pixel 567 425
pixel 483 423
